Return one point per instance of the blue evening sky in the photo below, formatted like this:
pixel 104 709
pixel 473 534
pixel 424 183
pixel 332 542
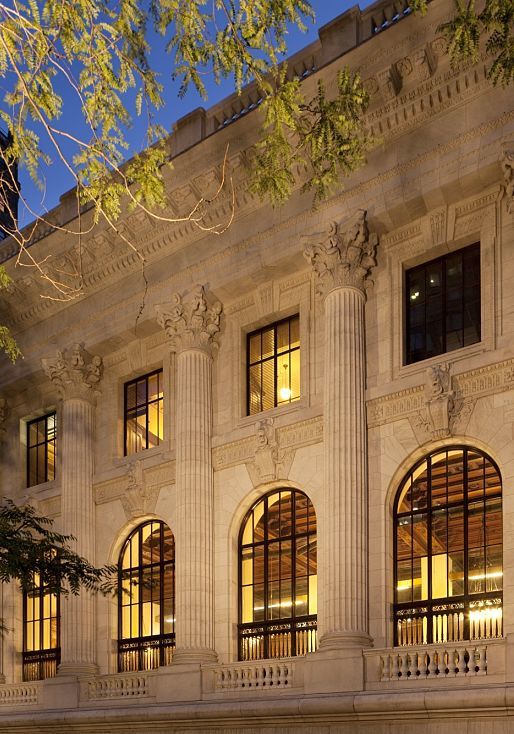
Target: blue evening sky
pixel 59 180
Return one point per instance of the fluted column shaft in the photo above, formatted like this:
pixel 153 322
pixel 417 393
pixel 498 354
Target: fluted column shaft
pixel 194 487
pixel 191 323
pixel 345 573
pixel 342 260
pixel 78 612
pixel 76 375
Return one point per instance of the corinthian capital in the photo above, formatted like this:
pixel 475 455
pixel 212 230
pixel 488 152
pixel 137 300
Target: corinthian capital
pixel 345 256
pixel 76 373
pixel 190 322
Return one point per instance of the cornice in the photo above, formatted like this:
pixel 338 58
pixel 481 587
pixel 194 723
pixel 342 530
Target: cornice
pixel 105 265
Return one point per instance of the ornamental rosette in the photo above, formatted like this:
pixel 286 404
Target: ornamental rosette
pixel 190 322
pixel 76 373
pixel 345 257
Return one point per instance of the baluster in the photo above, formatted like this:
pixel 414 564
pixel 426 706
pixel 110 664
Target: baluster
pixel 404 666
pixel 481 660
pixel 432 665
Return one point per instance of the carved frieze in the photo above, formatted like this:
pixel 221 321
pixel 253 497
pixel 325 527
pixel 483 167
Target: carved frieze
pixel 76 373
pixel 293 437
pixel 344 257
pixel 190 322
pixel 443 403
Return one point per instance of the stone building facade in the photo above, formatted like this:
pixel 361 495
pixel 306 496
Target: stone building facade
pixel 300 451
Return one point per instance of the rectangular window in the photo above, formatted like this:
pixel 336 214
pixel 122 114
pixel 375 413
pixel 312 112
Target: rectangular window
pixel 442 304
pixel 41 622
pixel 41 450
pixel 143 413
pixel 273 362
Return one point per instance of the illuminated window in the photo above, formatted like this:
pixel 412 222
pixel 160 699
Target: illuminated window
pixel 41 450
pixel 278 577
pixel 442 305
pixel 448 549
pixel 273 360
pixel 143 413
pixel 41 645
pixel 146 599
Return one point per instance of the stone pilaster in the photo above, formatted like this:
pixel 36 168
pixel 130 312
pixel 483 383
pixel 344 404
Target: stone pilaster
pixel 342 263
pixel 191 325
pixel 76 376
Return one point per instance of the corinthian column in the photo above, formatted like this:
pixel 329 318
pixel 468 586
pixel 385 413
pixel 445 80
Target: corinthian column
pixel 76 376
pixel 342 263
pixel 190 325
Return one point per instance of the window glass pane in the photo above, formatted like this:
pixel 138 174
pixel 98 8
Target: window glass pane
pixel 283 336
pixel 273 369
pixel 141 392
pixel 286 514
pixel 268 385
pixel 273 520
pixel 154 390
pixel 130 392
pixel 294 325
pixel 476 570
pixel 268 343
pixel 302 513
pixel 404 538
pixel 51 461
pixel 419 535
pixel 419 579
pixel 456 573
pixel 443 304
pixel 255 347
pixel 154 424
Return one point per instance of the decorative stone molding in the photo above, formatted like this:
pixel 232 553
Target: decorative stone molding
pixel 466 387
pixel 507 164
pixel 190 323
pixel 345 257
pixel 76 374
pixel 153 479
pixel 138 499
pixel 294 436
pixel 270 462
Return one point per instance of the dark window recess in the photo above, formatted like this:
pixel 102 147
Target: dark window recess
pixel 442 305
pixel 41 632
pixel 143 413
pixel 278 577
pixel 41 450
pixel 448 544
pixel 273 365
pixel 146 598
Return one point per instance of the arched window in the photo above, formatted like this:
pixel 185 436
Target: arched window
pixel 41 646
pixel 448 549
pixel 146 600
pixel 278 577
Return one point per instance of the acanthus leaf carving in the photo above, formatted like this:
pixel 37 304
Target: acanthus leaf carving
pixel 190 323
pixel 76 373
pixel 345 257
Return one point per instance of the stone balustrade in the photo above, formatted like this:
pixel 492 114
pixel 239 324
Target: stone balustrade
pixel 271 675
pixel 19 694
pixel 118 686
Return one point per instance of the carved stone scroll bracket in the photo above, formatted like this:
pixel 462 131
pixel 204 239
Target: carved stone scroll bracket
pixel 507 164
pixel 75 373
pixel 138 499
pixel 345 256
pixel 445 412
pixel 270 461
pixel 191 322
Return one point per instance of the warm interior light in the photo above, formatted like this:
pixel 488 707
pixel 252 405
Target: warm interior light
pixel 285 392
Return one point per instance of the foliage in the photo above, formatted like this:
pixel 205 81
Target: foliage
pixel 7 342
pixel 466 29
pixel 29 546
